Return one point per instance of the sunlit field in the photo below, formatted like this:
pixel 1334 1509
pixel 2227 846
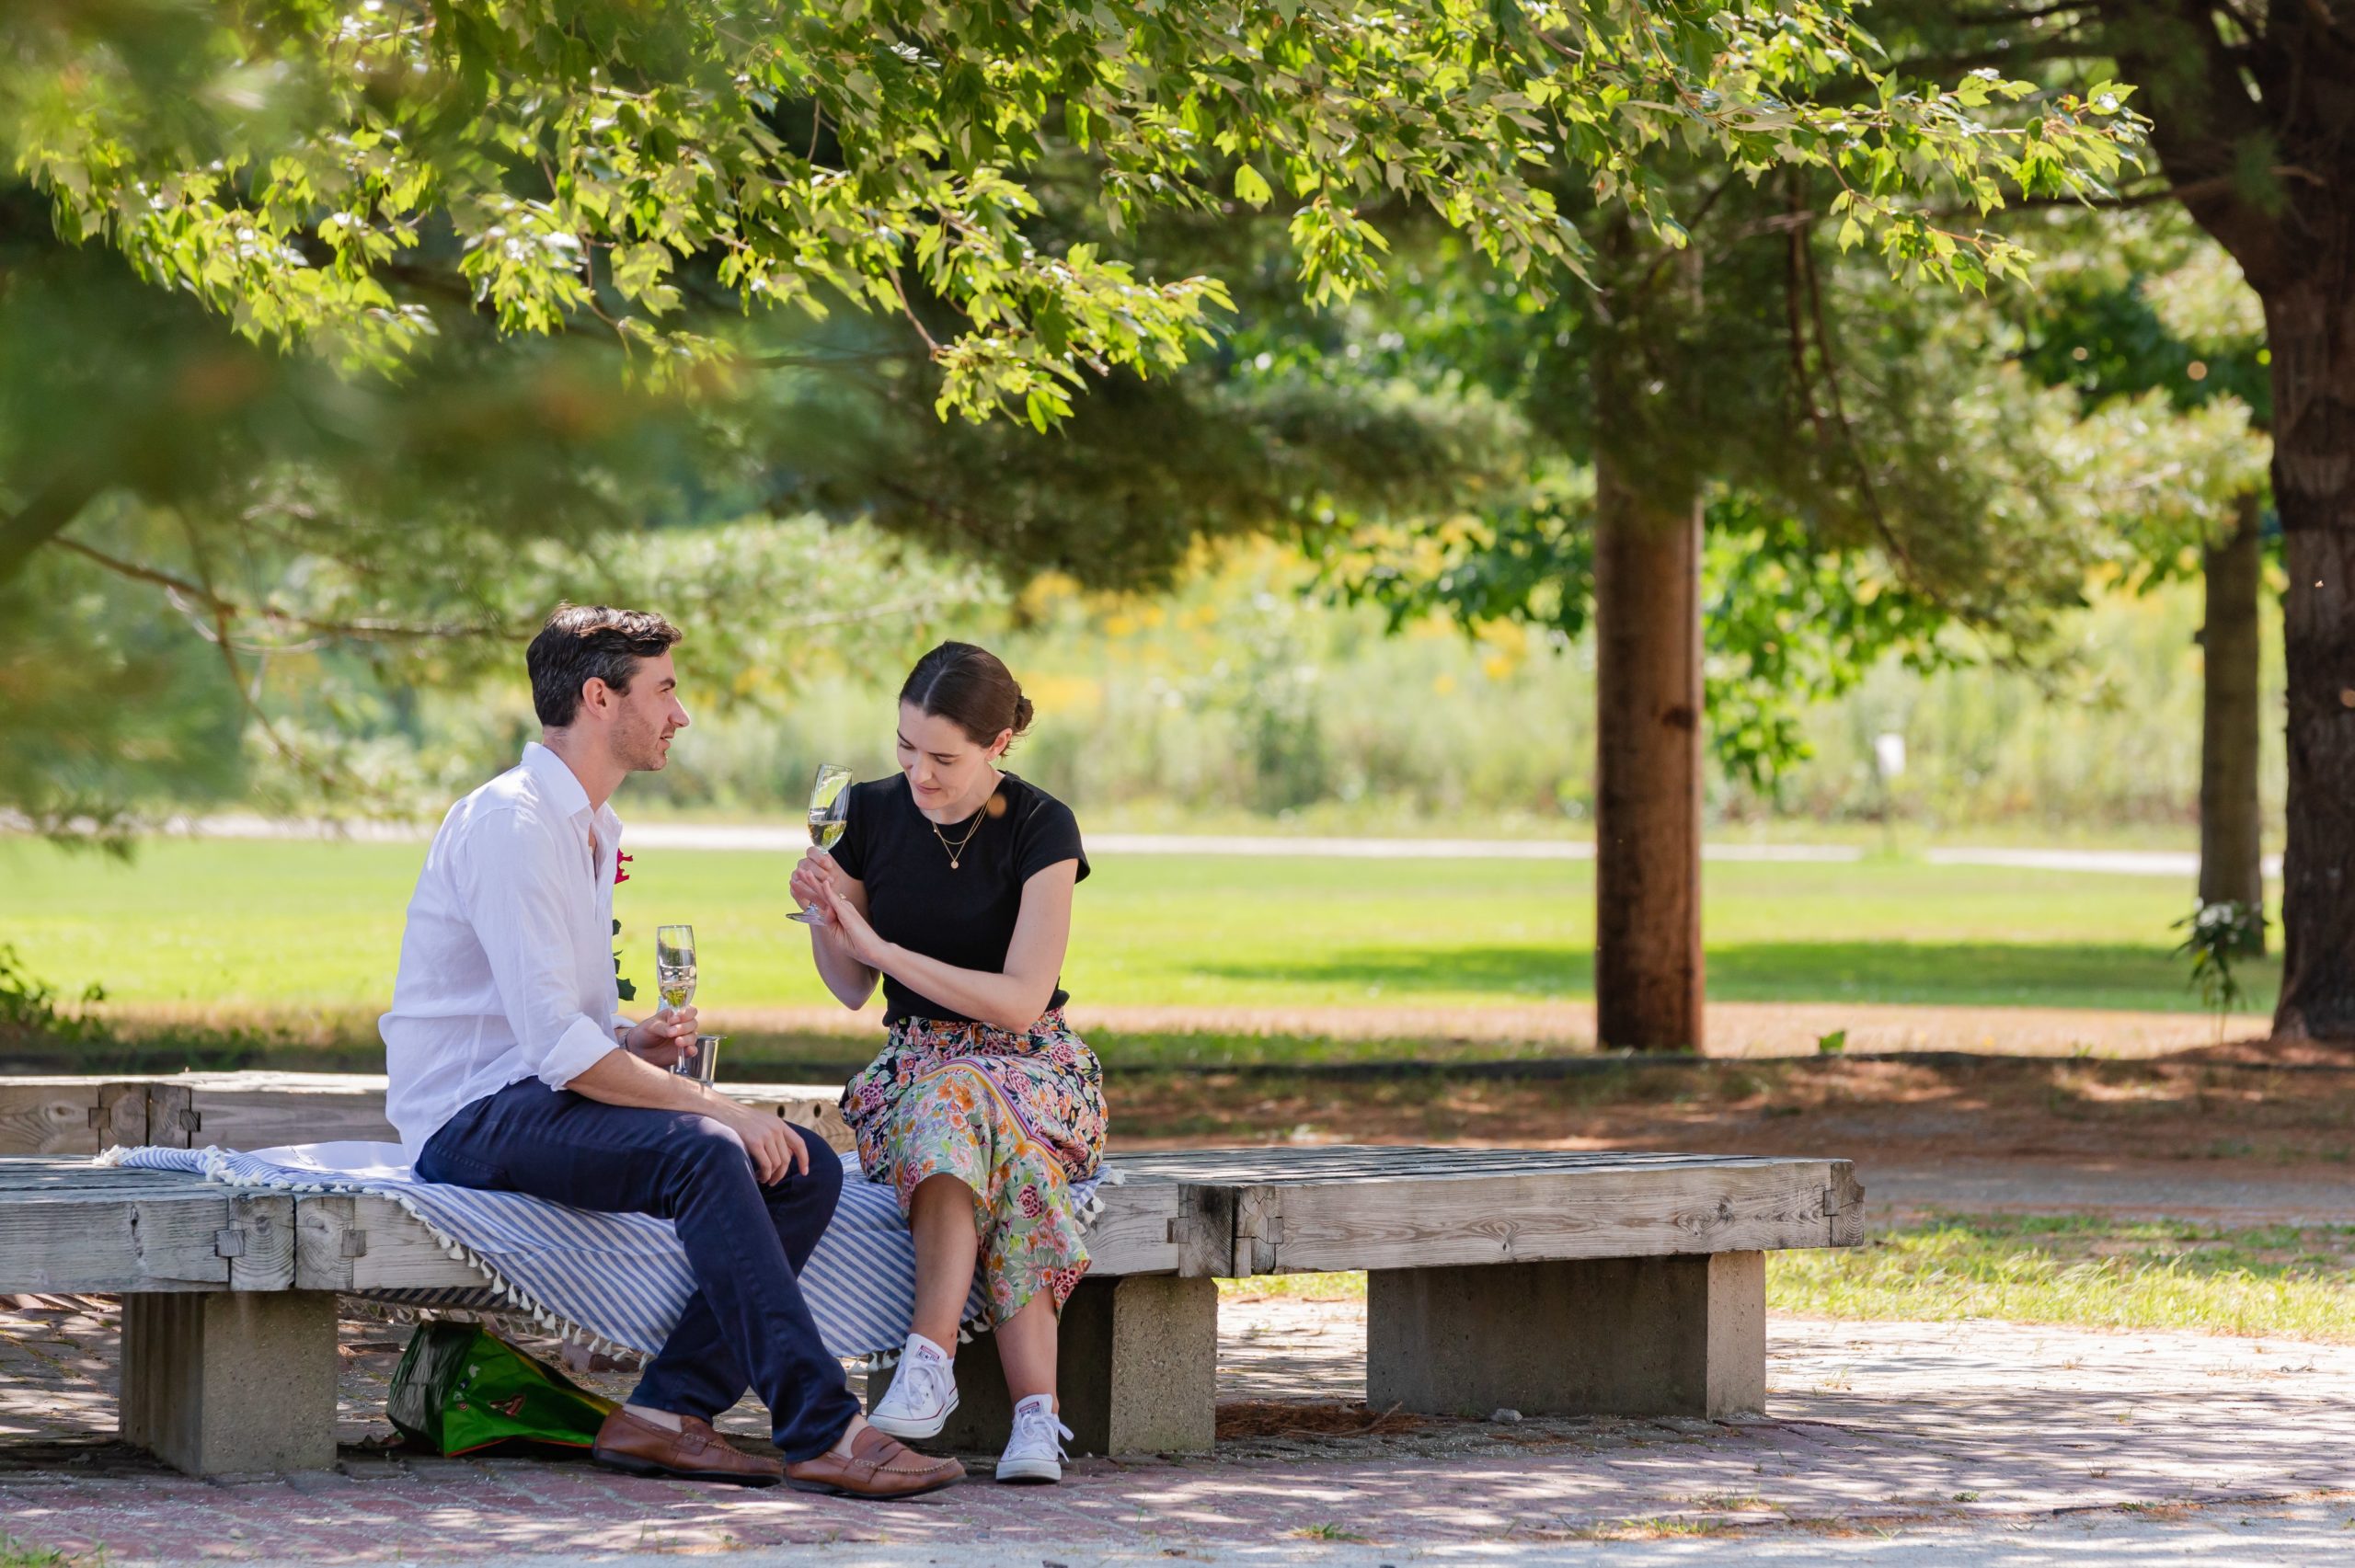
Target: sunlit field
pixel 270 925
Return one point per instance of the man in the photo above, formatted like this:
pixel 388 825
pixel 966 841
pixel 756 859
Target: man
pixel 512 1069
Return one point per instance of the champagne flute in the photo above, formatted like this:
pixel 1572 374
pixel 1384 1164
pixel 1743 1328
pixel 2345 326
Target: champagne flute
pixel 675 966
pixel 829 815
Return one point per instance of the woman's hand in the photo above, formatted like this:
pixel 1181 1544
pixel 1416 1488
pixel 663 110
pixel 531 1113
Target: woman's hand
pixel 855 933
pixel 663 1038
pixel 815 877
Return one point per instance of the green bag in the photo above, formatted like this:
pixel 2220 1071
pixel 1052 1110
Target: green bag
pixel 460 1387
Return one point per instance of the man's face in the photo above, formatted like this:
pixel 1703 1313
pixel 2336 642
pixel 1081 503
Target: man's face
pixel 646 716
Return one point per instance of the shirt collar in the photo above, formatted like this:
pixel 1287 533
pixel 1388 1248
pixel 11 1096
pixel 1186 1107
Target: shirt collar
pixel 557 782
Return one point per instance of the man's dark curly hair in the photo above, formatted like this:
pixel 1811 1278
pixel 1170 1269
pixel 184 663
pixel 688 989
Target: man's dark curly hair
pixel 585 641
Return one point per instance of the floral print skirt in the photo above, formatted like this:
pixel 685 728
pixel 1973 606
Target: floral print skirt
pixel 1017 1118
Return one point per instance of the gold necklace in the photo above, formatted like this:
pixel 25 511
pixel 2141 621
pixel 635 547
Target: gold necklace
pixel 956 851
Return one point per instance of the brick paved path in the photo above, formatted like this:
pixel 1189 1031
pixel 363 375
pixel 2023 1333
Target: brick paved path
pixel 1975 1427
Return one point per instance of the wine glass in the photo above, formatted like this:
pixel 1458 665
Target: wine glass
pixel 674 964
pixel 829 815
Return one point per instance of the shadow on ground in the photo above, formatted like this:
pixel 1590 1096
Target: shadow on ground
pixel 1871 1428
pixel 1981 974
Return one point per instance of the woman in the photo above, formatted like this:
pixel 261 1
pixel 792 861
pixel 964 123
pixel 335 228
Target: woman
pixel 953 884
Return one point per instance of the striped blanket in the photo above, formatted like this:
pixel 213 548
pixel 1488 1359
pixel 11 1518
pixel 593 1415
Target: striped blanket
pixel 606 1279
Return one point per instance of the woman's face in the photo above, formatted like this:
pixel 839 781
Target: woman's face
pixel 945 768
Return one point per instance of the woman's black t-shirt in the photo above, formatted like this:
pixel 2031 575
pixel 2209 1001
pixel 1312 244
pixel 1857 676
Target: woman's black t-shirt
pixel 963 917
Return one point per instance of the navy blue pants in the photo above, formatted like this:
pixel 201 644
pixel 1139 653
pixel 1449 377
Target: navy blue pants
pixel 747 1244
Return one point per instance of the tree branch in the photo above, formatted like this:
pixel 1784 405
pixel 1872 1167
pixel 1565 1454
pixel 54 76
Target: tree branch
pixel 249 699
pixel 359 631
pixel 1803 269
pixel 931 345
pixel 40 519
pixel 2004 19
pixel 1940 67
pixel 2195 190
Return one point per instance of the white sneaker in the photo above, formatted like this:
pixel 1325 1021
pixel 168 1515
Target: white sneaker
pixel 922 1392
pixel 1034 1452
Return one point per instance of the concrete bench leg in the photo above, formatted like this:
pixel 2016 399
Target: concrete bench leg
pixel 1137 1362
pixel 1607 1337
pixel 231 1381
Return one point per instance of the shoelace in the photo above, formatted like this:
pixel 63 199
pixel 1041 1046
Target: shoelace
pixel 937 1379
pixel 1026 1419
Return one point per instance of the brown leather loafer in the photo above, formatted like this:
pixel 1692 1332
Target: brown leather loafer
pixel 879 1466
pixel 694 1452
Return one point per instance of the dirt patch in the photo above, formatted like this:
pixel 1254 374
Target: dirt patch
pixel 1736 1028
pixel 2230 1120
pixel 1241 1419
pixel 2263 1051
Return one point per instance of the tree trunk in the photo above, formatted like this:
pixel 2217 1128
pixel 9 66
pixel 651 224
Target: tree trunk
pixel 1647 970
pixel 2310 329
pixel 2231 869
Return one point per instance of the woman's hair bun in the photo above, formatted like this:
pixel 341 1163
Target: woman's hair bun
pixel 970 686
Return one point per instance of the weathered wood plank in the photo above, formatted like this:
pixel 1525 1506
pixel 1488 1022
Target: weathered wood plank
pixel 258 1242
pixel 121 1116
pixel 348 1241
pixel 263 1110
pixel 1141 1230
pixel 123 1243
pixel 1374 1162
pixel 1196 1213
pixel 234 1114
pixel 1204 1229
pixel 1309 1226
pixel 78 1175
pixel 1845 1202
pixel 49 1116
pixel 172 1118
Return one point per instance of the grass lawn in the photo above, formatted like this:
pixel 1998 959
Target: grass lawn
pixel 2084 1269
pixel 15 1553
pixel 285 925
pixel 2080 1269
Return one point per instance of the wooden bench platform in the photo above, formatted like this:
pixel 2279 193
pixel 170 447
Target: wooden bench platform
pixel 263 1110
pixel 1554 1283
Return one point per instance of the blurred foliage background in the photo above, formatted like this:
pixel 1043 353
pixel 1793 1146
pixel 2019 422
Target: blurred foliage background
pixel 1241 698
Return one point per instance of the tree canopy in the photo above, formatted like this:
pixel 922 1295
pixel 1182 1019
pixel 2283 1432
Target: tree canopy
pixel 299 164
pixel 316 315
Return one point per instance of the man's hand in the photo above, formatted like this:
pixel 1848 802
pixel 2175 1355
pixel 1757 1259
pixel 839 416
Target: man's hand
pixel 663 1038
pixel 773 1143
pixel 629 1078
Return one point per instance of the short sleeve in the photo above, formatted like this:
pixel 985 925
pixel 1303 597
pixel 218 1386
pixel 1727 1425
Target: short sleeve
pixel 850 850
pixel 1050 835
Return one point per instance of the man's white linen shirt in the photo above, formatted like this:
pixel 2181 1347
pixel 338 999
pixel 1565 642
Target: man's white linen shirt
pixel 507 963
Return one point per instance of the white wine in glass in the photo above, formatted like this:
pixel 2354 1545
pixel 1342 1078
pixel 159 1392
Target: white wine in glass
pixel 829 815
pixel 674 964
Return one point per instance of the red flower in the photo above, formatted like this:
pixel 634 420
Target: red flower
pixel 621 868
pixel 1031 1203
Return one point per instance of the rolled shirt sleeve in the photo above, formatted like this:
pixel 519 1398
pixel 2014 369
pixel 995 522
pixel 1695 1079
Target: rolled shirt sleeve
pixel 522 913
